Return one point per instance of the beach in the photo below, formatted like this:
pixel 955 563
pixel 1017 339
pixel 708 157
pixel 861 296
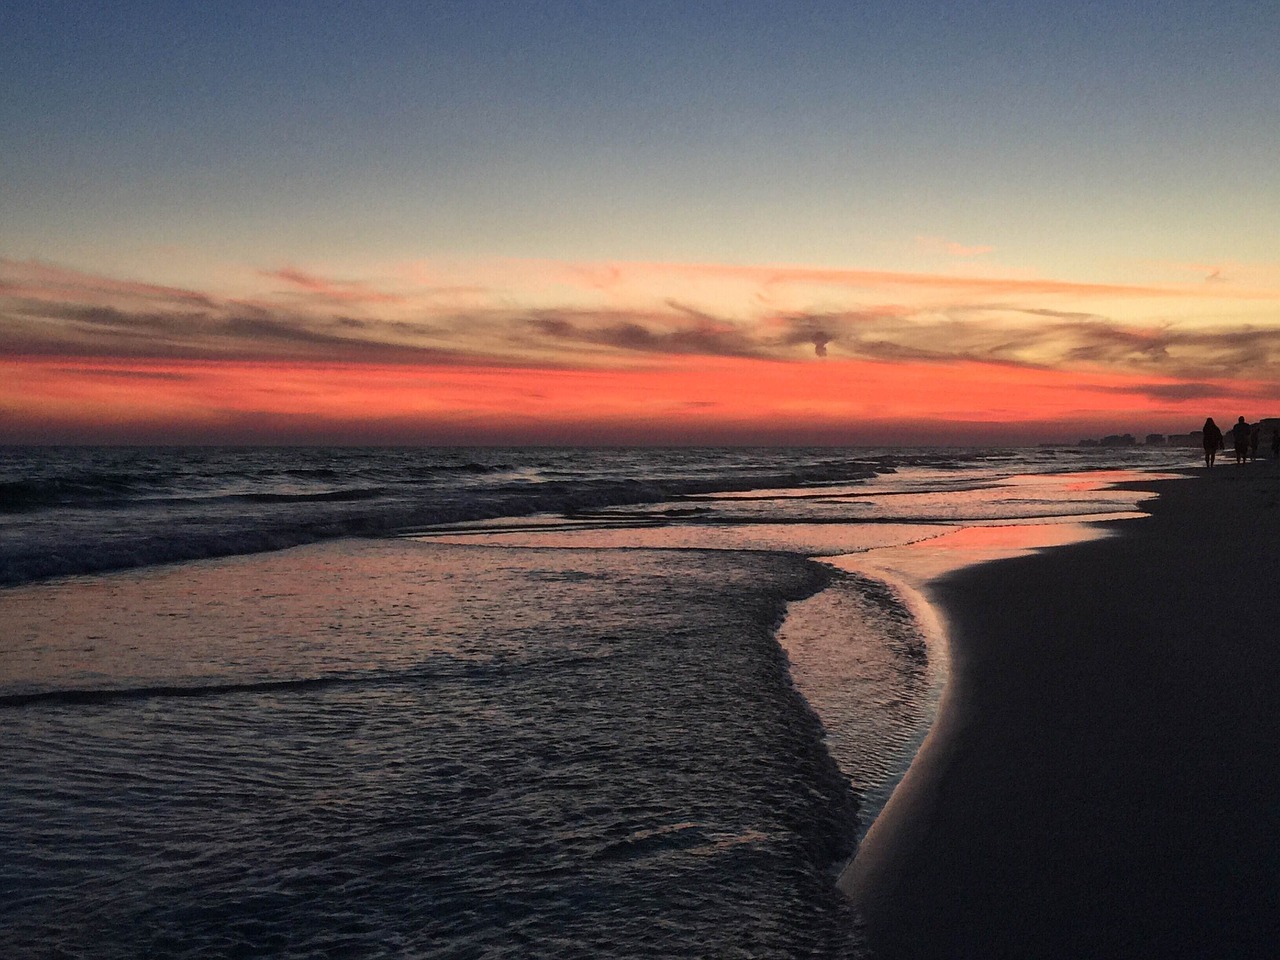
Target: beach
pixel 1100 780
pixel 589 703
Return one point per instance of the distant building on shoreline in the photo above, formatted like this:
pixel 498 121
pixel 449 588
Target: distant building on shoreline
pixel 1193 438
pixel 1114 440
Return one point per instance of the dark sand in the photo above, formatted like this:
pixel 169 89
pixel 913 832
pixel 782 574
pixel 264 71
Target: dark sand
pixel 1103 779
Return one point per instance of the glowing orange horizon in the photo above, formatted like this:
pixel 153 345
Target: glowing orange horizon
pixel 683 399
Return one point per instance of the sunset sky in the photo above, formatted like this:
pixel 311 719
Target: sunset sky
pixel 636 222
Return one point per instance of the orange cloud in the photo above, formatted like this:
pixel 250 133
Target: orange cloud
pixel 37 280
pixel 787 274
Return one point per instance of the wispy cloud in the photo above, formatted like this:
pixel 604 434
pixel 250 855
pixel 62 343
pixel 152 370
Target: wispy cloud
pixel 1192 390
pixel 37 280
pixel 333 291
pixel 669 311
pixel 751 281
pixel 950 248
pixel 672 335
pixel 772 276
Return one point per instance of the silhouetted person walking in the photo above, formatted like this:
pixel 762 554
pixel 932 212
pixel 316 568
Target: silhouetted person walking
pixel 1212 441
pixel 1240 435
pixel 1255 435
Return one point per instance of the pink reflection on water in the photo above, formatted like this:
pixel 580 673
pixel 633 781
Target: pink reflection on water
pixel 980 541
pixel 927 560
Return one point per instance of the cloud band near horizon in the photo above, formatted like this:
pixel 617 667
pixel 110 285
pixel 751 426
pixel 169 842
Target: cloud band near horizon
pixel 836 349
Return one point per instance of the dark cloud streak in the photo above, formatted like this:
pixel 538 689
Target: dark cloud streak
pixel 702 338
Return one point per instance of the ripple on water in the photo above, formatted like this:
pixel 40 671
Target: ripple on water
pixel 611 763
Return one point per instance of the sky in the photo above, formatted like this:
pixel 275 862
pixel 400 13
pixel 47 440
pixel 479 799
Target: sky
pixel 636 222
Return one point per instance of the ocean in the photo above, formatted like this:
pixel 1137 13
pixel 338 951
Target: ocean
pixel 470 702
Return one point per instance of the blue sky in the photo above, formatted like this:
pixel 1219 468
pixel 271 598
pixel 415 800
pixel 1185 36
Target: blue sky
pixel 742 132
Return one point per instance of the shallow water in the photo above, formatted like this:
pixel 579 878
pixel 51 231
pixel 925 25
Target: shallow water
pixel 511 753
pixel 72 510
pixel 873 672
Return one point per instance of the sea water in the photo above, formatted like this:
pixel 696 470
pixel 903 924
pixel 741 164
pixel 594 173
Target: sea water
pixel 490 703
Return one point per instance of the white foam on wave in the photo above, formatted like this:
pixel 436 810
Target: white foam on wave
pixel 870 659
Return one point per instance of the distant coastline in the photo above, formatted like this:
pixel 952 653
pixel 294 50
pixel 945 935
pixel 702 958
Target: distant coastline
pixel 1193 438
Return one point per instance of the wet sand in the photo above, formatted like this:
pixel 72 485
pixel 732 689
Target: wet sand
pixel 1101 780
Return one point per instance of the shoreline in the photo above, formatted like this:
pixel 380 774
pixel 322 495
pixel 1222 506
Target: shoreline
pixel 1097 779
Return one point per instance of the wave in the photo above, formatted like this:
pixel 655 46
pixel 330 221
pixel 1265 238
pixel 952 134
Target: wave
pixel 329 496
pixel 435 669
pixel 88 491
pixel 189 529
pixel 20 496
pixel 96 695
